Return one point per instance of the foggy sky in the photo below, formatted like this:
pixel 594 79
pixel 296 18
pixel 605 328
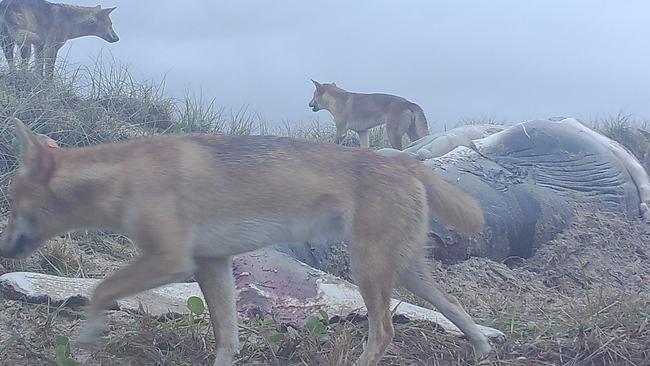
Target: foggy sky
pixel 509 60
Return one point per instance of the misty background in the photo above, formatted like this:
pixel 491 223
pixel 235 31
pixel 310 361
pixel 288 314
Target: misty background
pixel 507 60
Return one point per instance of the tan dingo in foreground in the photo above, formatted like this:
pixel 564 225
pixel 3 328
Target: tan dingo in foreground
pixel 48 26
pixel 361 112
pixel 191 202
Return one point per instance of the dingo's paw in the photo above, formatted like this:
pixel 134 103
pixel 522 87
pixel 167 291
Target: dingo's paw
pixel 89 336
pixel 224 358
pixel 482 351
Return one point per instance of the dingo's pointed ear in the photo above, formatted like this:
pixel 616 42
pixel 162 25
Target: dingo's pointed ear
pixel 34 151
pixel 645 133
pixel 316 83
pixel 47 141
pixel 107 11
pixel 25 137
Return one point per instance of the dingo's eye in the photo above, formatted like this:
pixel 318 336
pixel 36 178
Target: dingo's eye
pixel 91 21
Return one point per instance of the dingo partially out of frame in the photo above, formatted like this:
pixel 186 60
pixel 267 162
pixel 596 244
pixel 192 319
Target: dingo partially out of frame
pixel 48 26
pixel 360 112
pixel 191 202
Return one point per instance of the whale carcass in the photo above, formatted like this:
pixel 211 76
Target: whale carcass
pixel 529 178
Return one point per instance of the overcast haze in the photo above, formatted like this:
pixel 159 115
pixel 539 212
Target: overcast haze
pixel 509 60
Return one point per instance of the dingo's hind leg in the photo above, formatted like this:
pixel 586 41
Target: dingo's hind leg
pixel 376 281
pixel 394 133
pixel 413 132
pixel 215 278
pixel 380 245
pixel 25 55
pixel 419 281
pixel 364 139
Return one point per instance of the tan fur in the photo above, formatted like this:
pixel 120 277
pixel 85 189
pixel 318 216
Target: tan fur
pixel 462 213
pixel 191 202
pixel 360 112
pixel 47 26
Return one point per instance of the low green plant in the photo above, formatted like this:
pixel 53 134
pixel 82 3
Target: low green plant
pixel 196 322
pixel 318 326
pixel 267 332
pixel 195 306
pixel 62 352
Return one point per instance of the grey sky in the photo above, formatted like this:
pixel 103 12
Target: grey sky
pixel 512 60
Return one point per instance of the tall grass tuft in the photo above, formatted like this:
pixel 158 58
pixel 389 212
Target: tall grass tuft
pixel 623 127
pixel 102 103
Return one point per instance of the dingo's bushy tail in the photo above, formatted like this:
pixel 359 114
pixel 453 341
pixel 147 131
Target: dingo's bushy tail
pixel 451 205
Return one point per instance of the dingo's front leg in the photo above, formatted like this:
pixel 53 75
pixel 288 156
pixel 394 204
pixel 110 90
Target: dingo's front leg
pixel 147 272
pixel 164 259
pixel 341 131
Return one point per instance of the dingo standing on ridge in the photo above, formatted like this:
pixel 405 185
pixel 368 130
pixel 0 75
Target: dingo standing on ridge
pixel 361 112
pixel 191 202
pixel 47 26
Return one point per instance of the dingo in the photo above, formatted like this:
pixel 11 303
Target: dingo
pixel 48 26
pixel 361 112
pixel 191 202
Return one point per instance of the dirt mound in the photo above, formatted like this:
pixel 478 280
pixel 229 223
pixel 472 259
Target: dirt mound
pixel 583 298
pixel 600 251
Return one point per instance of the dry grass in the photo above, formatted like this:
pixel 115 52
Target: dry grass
pixel 483 120
pixel 623 127
pixel 601 331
